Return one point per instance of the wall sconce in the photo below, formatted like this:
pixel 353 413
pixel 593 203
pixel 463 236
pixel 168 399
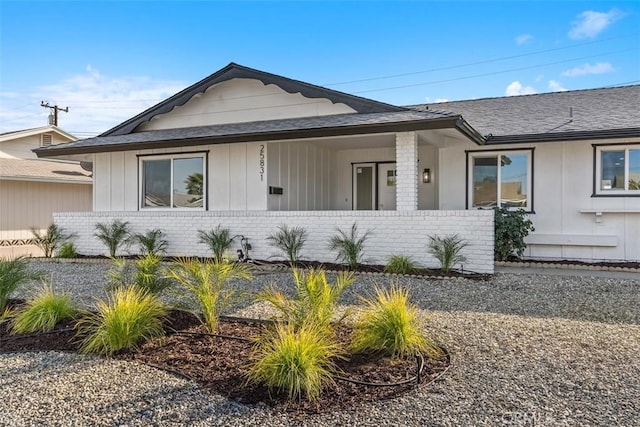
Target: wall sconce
pixel 426 176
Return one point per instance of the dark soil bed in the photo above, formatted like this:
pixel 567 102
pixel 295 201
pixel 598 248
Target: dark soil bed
pixel 218 363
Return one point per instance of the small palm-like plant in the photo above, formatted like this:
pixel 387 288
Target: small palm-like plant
pixel 219 240
pixel 315 302
pixel 447 250
pixel 152 242
pixel 129 316
pixel 67 250
pixel 14 273
pixel 114 235
pixel 391 325
pixel 400 264
pixel 207 281
pixel 146 273
pixel 289 240
pixel 50 239
pixel 42 313
pixel 295 361
pixel 349 246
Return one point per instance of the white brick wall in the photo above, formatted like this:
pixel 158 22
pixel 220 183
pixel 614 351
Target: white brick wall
pixel 407 167
pixel 392 232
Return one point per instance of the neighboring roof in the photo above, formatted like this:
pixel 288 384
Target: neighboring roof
pixel 306 127
pixel 9 136
pixel 595 113
pixel 236 71
pixel 43 170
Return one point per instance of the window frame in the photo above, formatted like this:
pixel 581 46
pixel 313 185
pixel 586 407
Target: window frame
pixel 204 155
pixel 598 149
pixel 472 154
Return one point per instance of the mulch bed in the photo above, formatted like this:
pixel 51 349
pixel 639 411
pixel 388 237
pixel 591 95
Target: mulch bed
pixel 218 364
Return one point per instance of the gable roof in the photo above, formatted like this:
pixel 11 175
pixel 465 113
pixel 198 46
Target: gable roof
pixel 234 71
pixel 43 170
pixel 9 136
pixel 590 113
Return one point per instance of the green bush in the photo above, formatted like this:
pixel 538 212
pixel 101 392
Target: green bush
pixel 289 240
pixel 44 312
pixel 146 273
pixel 511 227
pixel 349 246
pixel 295 361
pixel 114 235
pixel 51 239
pixel 129 316
pixel 152 242
pixel 400 264
pixel 447 250
pixel 391 325
pixel 315 302
pixel 67 250
pixel 14 273
pixel 207 281
pixel 218 240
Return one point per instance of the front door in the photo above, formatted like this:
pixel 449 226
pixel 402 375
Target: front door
pixel 374 186
pixel 387 186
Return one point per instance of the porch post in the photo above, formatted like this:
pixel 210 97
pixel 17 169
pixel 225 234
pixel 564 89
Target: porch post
pixel 407 171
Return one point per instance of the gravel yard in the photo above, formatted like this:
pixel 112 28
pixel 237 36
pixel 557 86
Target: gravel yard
pixel 526 350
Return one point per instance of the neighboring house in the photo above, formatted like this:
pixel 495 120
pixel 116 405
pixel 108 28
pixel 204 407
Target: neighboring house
pixel 31 190
pixel 252 150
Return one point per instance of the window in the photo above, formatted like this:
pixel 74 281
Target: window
pixel 175 181
pixel 617 170
pixel 500 179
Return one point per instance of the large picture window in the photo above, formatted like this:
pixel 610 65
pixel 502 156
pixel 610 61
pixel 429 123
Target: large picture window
pixel 500 179
pixel 617 170
pixel 175 181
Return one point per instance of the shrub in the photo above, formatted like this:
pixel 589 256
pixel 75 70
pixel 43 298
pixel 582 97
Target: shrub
pixel 67 250
pixel 206 281
pixel 127 318
pixel 44 312
pixel 13 273
pixel 146 273
pixel 218 240
pixel 289 240
pixel 152 242
pixel 316 299
pixel 51 239
pixel 296 361
pixel 349 246
pixel 391 325
pixel 400 264
pixel 447 250
pixel 511 227
pixel 114 235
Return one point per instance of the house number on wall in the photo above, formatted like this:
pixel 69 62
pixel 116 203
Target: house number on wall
pixel 262 162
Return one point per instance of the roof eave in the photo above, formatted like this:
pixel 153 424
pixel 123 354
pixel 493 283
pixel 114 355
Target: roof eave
pixel 563 136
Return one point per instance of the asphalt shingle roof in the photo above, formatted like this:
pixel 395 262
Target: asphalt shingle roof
pixel 31 169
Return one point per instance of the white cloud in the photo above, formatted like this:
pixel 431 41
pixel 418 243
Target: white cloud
pixel 96 102
pixel 585 69
pixel 589 23
pixel 523 38
pixel 555 86
pixel 516 88
pixel 440 100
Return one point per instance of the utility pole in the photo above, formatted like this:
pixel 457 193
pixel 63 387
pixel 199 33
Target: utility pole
pixel 55 109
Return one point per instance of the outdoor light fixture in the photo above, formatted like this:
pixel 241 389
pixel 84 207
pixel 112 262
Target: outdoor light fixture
pixel 426 176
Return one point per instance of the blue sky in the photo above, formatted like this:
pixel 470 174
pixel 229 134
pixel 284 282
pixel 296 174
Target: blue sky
pixel 108 61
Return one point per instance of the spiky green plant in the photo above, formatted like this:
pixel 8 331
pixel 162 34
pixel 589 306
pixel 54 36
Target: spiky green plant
pixel 50 239
pixel 14 273
pixel 400 264
pixel 146 272
pixel 296 361
pixel 152 242
pixel 219 240
pixel 315 302
pixel 114 235
pixel 129 317
pixel 289 240
pixel 391 325
pixel 207 282
pixel 67 250
pixel 447 250
pixel 349 246
pixel 43 312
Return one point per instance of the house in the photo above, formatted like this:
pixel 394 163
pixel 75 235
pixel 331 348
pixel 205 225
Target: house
pixel 31 190
pixel 251 150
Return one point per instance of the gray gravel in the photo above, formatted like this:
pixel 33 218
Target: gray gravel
pixel 527 350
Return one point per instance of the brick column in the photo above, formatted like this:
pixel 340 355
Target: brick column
pixel 407 171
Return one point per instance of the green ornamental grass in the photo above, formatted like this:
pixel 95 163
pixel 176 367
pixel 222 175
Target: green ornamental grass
pixel 146 273
pixel 50 240
pixel 14 273
pixel 400 264
pixel 129 316
pixel 44 312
